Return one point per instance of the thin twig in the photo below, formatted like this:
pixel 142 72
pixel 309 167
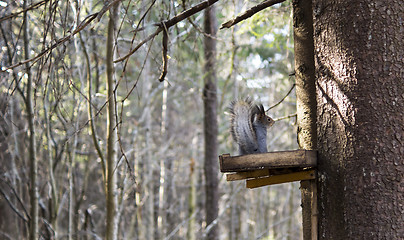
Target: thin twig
pixel 80 27
pixel 250 12
pixel 286 117
pixel 90 107
pixel 151 36
pixel 33 6
pixel 165 52
pixel 18 198
pixel 169 23
pixel 132 41
pixel 293 86
pixel 138 77
pixel 10 59
pixel 200 30
pixel 13 207
pixel 71 83
pixel 107 6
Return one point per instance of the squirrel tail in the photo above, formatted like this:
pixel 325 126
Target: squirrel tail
pixel 242 115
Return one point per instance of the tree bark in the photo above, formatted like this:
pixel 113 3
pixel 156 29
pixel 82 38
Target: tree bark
pixel 33 161
pixel 192 202
pixel 111 184
pixel 54 202
pixel 210 124
pixel 306 105
pixel 305 77
pixel 359 67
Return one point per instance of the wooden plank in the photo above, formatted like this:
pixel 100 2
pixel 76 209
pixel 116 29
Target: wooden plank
pixel 277 179
pixel 246 175
pixel 309 208
pixel 283 159
pixel 221 158
pixel 260 173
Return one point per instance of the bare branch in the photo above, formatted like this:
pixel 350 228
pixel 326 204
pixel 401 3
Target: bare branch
pixel 33 6
pixel 13 207
pixel 187 13
pixel 18 198
pixel 90 107
pixel 286 117
pixel 107 6
pixel 293 86
pixel 80 27
pixel 169 23
pixel 250 12
pixel 200 30
pixel 151 36
pixel 10 57
pixel 165 58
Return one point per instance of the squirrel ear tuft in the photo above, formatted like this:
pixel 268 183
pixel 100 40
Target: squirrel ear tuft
pixel 260 109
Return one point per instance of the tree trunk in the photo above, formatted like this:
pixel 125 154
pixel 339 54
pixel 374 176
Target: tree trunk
pixel 306 106
pixel 359 67
pixel 192 202
pixel 111 184
pixel 54 202
pixel 210 124
pixel 33 161
pixel 167 190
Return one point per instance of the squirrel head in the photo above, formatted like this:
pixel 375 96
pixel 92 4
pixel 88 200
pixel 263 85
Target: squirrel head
pixel 260 116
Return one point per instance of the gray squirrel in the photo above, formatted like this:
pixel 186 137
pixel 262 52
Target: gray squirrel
pixel 249 125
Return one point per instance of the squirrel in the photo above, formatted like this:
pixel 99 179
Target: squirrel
pixel 249 125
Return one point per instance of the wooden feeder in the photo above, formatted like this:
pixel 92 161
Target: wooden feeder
pixel 270 168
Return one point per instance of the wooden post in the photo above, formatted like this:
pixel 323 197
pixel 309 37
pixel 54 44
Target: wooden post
pixel 306 106
pixel 309 206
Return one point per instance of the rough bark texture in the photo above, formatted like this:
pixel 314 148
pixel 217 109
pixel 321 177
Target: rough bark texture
pixel 359 67
pixel 306 105
pixel 305 77
pixel 210 124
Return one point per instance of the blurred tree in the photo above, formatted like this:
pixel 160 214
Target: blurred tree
pixel 210 127
pixel 137 143
pixel 33 161
pixel 111 156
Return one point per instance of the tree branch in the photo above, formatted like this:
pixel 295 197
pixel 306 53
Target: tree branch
pixel 14 208
pixel 286 117
pixel 90 108
pixel 107 6
pixel 287 94
pixel 169 23
pixel 250 12
pixel 165 58
pixel 33 6
pixel 80 27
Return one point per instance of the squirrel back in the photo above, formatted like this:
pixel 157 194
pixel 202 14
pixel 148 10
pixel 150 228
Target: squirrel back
pixel 249 125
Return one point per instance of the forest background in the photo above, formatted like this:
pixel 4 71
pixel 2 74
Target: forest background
pixel 57 102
